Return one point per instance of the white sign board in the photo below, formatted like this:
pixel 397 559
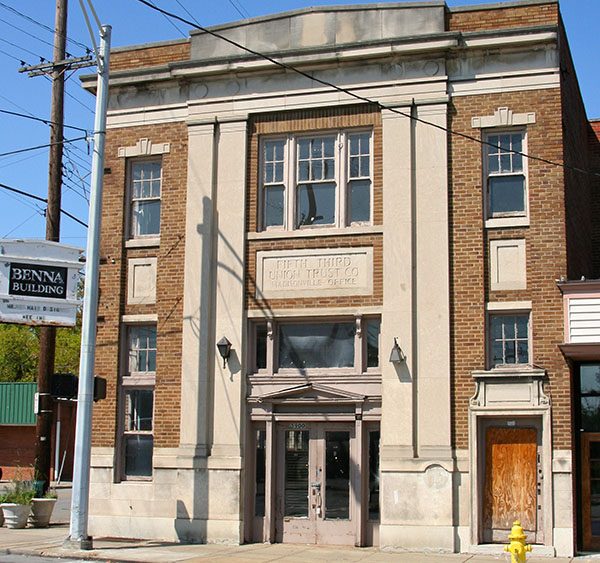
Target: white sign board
pixel 314 272
pixel 38 282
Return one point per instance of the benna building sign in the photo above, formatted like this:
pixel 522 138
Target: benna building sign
pixel 38 282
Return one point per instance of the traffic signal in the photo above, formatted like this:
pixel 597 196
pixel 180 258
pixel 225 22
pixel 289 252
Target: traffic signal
pixel 63 386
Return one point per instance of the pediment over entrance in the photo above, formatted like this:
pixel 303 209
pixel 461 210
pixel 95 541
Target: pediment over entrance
pixel 311 392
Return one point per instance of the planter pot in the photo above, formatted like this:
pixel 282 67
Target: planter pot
pixel 15 515
pixel 41 510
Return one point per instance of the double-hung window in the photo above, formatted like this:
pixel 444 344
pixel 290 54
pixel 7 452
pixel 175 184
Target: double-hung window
pixel 145 184
pixel 506 175
pixel 137 392
pixel 509 339
pixel 317 180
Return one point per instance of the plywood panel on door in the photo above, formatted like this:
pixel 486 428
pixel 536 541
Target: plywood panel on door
pixel 510 480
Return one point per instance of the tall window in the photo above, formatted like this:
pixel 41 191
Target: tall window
pixel 138 439
pixel 137 393
pixel 506 175
pixel 317 180
pixel 145 188
pixel 509 339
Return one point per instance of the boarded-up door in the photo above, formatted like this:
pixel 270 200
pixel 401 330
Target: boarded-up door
pixel 510 482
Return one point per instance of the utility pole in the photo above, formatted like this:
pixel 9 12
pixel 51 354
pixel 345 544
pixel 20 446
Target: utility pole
pixel 56 69
pixel 43 442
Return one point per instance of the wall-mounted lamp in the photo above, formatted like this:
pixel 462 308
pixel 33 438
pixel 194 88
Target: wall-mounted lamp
pixel 397 356
pixel 224 347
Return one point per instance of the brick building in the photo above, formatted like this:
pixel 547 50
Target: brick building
pixel 383 257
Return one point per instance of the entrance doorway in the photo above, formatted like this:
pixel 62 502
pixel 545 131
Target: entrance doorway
pixel 588 423
pixel 317 475
pixel 512 485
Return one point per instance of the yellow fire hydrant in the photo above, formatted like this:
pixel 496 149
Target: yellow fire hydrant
pixel 517 546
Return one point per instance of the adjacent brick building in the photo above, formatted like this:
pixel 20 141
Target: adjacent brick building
pixel 380 244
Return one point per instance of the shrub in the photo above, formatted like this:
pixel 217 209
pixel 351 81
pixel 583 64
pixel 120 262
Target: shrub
pixel 22 492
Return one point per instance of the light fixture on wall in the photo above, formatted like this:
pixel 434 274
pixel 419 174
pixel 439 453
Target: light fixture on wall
pixel 397 356
pixel 224 347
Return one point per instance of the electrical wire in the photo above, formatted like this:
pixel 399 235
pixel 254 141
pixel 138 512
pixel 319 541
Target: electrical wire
pixel 43 26
pixel 46 121
pixel 239 10
pixel 38 198
pixel 11 56
pixel 359 97
pixel 24 201
pixel 16 105
pixel 187 11
pixel 173 24
pixel 71 96
pixel 7 164
pixel 42 59
pixel 20 225
pixel 43 146
pixel 29 34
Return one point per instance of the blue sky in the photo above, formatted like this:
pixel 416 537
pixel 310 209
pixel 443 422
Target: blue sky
pixel 23 37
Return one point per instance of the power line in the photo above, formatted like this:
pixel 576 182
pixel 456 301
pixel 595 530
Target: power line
pixel 27 33
pixel 46 121
pixel 11 56
pixel 43 146
pixel 43 26
pixel 173 24
pixel 17 105
pixel 237 3
pixel 28 157
pixel 359 97
pixel 187 12
pixel 23 49
pixel 38 198
pixel 24 201
pixel 20 224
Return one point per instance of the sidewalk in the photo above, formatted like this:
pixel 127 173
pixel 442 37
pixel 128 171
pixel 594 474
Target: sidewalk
pixel 48 543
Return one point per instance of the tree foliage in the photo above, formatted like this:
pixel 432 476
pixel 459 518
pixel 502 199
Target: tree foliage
pixel 20 350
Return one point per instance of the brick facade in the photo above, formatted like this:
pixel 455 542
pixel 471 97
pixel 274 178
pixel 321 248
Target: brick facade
pixel 560 234
pixel 477 19
pixel 546 254
pixel 146 56
pixel 169 282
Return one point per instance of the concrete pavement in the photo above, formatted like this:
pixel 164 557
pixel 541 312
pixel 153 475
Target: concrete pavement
pixel 48 542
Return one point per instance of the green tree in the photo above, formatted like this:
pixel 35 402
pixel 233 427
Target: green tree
pixel 19 351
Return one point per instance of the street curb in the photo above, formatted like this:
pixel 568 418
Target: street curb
pixel 92 555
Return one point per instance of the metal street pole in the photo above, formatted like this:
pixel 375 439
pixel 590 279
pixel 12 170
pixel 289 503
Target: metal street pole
pixel 43 431
pixel 78 537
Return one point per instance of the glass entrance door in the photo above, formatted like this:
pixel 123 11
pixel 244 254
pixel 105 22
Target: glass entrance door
pixel 589 434
pixel 316 477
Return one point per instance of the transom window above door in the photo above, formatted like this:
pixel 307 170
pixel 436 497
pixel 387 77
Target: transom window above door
pixel 304 346
pixel 316 180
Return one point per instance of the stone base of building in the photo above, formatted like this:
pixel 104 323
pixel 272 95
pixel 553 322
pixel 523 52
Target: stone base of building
pixel 431 539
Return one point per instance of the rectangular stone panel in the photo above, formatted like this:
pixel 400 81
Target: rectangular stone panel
pixel 314 272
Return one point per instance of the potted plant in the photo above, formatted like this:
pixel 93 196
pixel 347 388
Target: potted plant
pixel 17 504
pixel 41 509
pixel 2 500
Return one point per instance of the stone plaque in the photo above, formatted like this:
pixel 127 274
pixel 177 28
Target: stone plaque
pixel 314 272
